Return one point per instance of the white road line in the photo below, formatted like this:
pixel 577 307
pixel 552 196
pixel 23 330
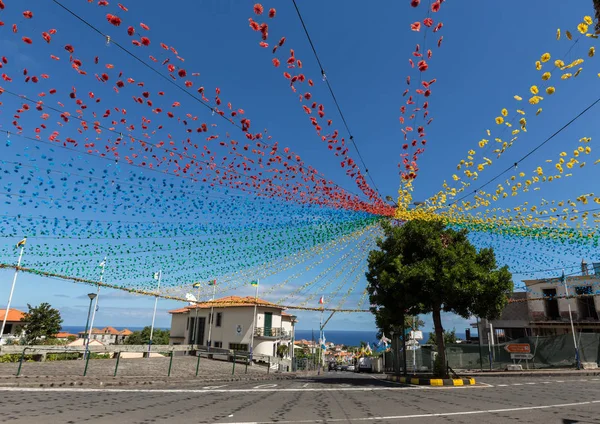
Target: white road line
pixel 531 383
pixel 502 385
pixel 546 382
pixel 305 385
pixel 250 390
pixel 559 381
pixel 517 384
pixel 213 387
pixel 441 414
pixel 265 386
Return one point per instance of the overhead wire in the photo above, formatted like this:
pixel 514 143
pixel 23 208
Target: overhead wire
pixel 339 109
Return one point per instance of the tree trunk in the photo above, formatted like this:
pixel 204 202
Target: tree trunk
pixel 439 337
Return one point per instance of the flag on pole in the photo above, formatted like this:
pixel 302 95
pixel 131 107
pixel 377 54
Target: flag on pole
pixel 321 300
pixel 22 242
pixel 254 283
pixel 562 278
pixel 156 275
pixel 103 263
pixel 212 283
pixel 196 285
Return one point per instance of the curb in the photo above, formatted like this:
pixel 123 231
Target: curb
pixel 111 382
pixel 432 381
pixel 588 373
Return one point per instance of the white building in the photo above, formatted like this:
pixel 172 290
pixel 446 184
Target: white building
pixel 108 335
pixel 15 328
pixel 232 325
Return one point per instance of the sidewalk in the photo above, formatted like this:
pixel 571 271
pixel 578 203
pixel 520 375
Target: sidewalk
pixel 144 371
pixel 563 372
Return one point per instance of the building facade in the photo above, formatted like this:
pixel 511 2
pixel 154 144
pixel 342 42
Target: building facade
pixel 231 328
pixel 543 310
pixel 108 335
pixel 15 328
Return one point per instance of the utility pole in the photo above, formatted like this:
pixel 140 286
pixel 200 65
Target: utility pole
pixel 577 359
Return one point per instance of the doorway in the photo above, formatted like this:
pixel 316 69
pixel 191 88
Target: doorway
pixel 200 323
pixel 268 324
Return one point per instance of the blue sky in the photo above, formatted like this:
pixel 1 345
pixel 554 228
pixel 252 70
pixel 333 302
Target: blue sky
pixel 487 56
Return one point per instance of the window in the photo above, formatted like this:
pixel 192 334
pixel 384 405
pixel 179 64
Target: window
pixel 238 346
pixel 587 309
pixel 551 304
pixel 219 344
pixel 219 318
pixel 8 329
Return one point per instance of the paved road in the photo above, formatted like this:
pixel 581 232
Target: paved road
pixel 333 398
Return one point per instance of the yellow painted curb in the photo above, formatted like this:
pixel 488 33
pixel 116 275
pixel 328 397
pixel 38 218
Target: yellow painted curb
pixel 436 382
pixel 457 381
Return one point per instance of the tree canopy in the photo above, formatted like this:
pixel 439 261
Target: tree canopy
pixel 159 337
pixel 425 267
pixel 41 322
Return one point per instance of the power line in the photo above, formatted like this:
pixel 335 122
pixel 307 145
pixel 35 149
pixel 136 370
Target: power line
pixel 196 98
pixel 337 105
pixel 528 154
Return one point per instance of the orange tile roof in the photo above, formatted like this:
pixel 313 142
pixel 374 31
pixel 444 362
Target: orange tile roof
pixel 227 302
pixel 125 332
pixel 64 335
pixel 13 315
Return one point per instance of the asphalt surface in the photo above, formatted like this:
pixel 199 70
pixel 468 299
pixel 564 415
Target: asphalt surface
pixel 336 397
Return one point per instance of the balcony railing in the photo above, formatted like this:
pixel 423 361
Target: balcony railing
pixel 279 333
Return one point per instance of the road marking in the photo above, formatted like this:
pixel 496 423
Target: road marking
pixel 250 390
pixel 531 383
pixel 502 385
pixel 413 416
pixel 517 384
pixel 306 385
pixel 265 386
pixel 559 381
pixel 546 382
pixel 213 387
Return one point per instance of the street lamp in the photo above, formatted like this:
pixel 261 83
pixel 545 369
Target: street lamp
pixel 92 296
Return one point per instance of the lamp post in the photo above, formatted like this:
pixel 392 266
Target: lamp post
pixel 92 296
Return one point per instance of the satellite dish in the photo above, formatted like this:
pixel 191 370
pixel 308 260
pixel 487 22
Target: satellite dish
pixel 190 298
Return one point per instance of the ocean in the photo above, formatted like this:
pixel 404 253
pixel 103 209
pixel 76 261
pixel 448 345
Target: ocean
pixel 348 338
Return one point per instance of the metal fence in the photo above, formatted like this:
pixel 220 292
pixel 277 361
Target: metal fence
pixel 19 354
pixel 546 352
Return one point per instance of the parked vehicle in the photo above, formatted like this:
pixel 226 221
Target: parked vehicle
pixel 351 368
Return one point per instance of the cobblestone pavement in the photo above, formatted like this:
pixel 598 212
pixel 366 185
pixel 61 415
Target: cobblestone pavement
pixel 182 367
pixel 331 398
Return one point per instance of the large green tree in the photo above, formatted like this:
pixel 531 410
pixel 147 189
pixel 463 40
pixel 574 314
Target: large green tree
pixel 424 267
pixel 41 322
pixel 159 337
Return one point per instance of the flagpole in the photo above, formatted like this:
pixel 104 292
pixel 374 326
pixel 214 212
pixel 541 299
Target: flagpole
pixel 154 313
pixel 12 290
pixel 571 320
pixel 87 345
pixel 254 321
pixel 210 324
pixel 196 319
pixel 321 340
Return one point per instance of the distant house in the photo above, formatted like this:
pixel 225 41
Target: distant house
pixel 108 335
pixel 543 310
pixel 232 325
pixel 14 328
pixel 64 335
